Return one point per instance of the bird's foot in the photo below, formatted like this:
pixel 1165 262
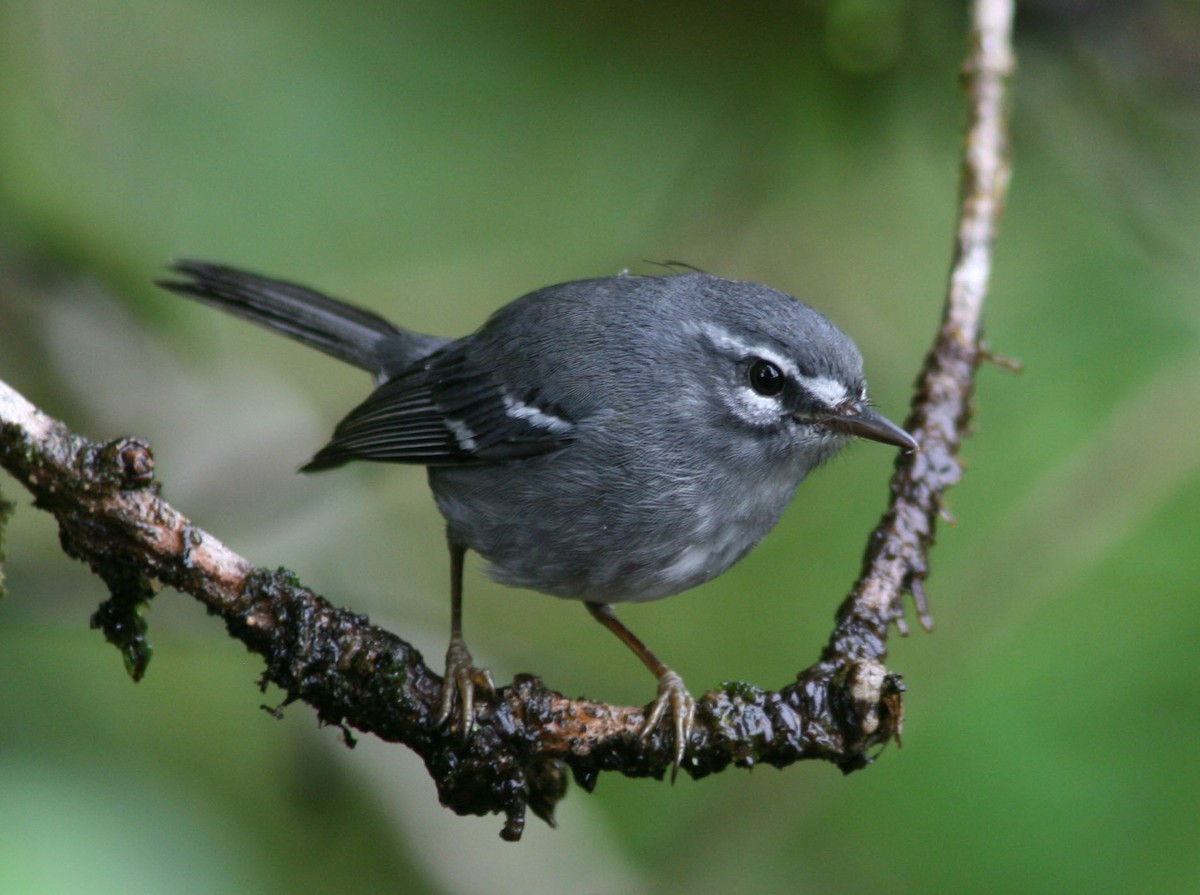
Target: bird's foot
pixel 458 686
pixel 673 695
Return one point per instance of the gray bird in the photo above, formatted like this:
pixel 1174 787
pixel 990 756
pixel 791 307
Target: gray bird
pixel 605 440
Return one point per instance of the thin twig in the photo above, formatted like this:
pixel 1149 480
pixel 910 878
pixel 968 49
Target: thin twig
pixel 897 555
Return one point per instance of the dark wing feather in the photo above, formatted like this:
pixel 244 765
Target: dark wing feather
pixel 444 411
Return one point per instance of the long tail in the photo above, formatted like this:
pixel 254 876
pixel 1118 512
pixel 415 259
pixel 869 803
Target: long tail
pixel 343 331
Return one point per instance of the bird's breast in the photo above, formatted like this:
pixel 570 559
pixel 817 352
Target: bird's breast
pixel 610 534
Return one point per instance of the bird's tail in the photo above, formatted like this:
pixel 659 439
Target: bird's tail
pixel 351 334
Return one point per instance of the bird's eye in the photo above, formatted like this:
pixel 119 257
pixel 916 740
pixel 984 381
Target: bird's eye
pixel 765 378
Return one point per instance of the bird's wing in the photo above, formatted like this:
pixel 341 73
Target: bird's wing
pixel 445 410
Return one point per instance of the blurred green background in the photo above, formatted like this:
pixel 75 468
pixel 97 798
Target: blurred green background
pixel 434 160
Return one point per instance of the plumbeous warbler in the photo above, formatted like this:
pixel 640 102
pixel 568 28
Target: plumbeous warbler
pixel 614 439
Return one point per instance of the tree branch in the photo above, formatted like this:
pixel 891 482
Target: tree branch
pixel 897 555
pixel 112 516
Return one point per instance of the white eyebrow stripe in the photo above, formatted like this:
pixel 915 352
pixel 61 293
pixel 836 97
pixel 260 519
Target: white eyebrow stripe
pixel 727 341
pixel 828 391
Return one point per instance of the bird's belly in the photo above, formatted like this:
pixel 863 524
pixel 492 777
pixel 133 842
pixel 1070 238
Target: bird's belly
pixel 610 544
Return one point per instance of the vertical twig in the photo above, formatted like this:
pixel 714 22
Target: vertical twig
pixel 896 559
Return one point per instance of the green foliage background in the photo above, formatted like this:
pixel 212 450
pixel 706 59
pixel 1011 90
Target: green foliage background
pixel 434 160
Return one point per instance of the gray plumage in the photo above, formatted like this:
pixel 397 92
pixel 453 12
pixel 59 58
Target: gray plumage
pixel 351 334
pixel 660 484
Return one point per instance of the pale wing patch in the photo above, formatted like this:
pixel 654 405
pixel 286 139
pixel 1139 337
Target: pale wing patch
pixel 535 416
pixel 462 434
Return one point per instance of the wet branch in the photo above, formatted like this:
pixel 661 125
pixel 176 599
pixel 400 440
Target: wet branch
pixel 355 675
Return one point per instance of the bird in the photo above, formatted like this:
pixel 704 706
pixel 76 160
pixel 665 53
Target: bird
pixel 607 440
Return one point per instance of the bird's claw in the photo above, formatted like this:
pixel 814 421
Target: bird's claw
pixel 458 686
pixel 673 694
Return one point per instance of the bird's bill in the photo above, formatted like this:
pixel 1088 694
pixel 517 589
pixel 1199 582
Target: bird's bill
pixel 866 423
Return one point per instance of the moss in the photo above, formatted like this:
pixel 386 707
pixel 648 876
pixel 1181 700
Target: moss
pixel 6 511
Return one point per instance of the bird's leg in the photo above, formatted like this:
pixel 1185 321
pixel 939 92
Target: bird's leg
pixel 462 677
pixel 672 693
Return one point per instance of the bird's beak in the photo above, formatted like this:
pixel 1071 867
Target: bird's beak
pixel 866 423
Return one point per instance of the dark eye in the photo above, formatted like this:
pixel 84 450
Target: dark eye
pixel 765 378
